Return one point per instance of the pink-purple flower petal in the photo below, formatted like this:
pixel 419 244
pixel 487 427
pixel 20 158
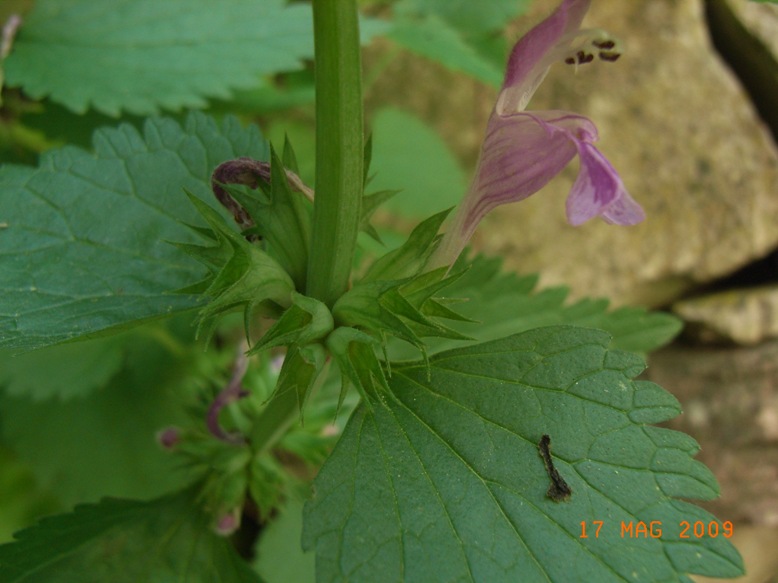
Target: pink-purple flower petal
pixel 523 151
pixel 599 191
pixel 520 155
pixel 536 51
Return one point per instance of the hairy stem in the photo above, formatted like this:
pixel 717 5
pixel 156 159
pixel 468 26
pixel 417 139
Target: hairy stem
pixel 339 144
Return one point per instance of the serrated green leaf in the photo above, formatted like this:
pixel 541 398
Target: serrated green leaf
pixel 125 541
pixel 145 55
pixel 65 372
pixel 411 157
pixel 432 37
pixel 469 17
pixel 444 482
pixel 104 443
pixel 22 500
pixel 503 303
pixel 85 250
pixel 148 55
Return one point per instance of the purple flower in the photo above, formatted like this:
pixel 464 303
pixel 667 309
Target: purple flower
pixel 169 437
pixel 522 151
pixel 228 522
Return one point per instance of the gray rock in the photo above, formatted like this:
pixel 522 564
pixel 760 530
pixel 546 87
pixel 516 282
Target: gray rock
pixel 760 19
pixel 742 316
pixel 746 33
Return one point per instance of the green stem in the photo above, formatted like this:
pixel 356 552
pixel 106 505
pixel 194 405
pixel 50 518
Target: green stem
pixel 275 420
pixel 338 203
pixel 339 146
pixel 284 408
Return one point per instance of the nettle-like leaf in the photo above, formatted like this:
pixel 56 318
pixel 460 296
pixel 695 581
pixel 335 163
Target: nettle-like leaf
pixel 23 500
pixel 502 303
pixel 468 17
pixel 85 235
pixel 147 55
pixel 432 37
pixel 142 55
pixel 102 443
pixel 422 189
pixel 125 541
pixel 463 36
pixel 445 481
pixel 65 372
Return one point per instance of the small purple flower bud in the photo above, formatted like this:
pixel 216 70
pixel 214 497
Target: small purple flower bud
pixel 228 522
pixel 169 437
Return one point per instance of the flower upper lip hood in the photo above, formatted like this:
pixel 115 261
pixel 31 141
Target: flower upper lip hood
pixel 523 150
pixel 536 51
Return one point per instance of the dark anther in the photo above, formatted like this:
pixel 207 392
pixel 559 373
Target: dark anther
pixel 609 56
pixel 558 491
pixel 570 61
pixel 604 44
pixel 584 57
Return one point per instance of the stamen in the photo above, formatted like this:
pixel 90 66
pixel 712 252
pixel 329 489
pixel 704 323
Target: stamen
pixel 604 44
pixel 609 56
pixel 584 57
pixel 586 43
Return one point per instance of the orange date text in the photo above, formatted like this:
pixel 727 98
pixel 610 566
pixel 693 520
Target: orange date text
pixel 655 529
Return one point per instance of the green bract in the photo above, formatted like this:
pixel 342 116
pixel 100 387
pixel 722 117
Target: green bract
pixel 243 275
pixel 281 217
pixel 306 321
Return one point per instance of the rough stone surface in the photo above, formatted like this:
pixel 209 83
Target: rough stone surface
pixel 761 19
pixel 742 316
